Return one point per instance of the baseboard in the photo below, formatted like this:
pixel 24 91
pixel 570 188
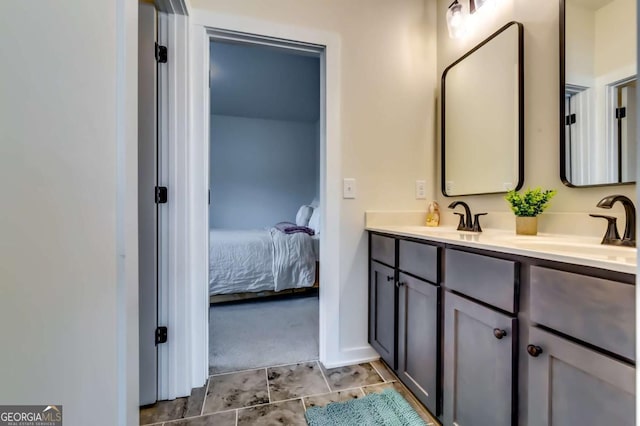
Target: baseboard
pixel 352 356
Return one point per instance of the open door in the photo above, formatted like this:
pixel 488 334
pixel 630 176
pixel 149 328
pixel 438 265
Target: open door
pixel 147 202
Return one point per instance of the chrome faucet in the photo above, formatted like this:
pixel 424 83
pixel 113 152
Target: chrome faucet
pixel 466 223
pixel 611 236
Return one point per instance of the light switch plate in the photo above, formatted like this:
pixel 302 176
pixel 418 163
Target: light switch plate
pixel 349 188
pixel 421 190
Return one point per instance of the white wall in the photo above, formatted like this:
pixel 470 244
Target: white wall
pixel 262 170
pixel 387 121
pixel 542 146
pixel 68 292
pixel 580 29
pixel 615 42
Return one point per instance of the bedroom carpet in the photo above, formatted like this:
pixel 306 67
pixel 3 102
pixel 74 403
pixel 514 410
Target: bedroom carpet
pixel 262 333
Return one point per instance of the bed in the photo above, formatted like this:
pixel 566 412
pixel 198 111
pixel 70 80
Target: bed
pixel 260 262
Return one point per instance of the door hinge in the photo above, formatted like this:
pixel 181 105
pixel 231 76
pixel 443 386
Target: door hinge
pixel 161 194
pixel 161 54
pixel 570 119
pixel 161 335
pixel 621 112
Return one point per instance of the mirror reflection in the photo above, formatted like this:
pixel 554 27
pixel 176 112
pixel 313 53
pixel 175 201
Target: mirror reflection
pixel 599 138
pixel 482 117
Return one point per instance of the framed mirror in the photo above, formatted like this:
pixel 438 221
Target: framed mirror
pixel 598 74
pixel 482 117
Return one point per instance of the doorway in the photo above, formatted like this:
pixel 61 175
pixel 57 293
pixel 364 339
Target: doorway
pixel 183 294
pixel 264 202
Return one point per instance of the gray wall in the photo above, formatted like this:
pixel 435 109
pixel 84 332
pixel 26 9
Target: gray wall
pixel 263 82
pixel 265 106
pixel 262 170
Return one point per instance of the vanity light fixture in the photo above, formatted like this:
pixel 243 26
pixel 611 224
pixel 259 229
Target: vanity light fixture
pixel 476 4
pixel 461 20
pixel 456 20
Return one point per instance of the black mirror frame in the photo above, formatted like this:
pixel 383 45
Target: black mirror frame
pixel 561 122
pixel 520 110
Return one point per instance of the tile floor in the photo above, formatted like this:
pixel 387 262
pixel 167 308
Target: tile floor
pixel 275 395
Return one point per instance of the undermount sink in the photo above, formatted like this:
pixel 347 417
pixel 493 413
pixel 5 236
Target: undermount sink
pixel 448 232
pixel 431 229
pixel 626 254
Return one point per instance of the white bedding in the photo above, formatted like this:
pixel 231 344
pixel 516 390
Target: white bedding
pixel 253 261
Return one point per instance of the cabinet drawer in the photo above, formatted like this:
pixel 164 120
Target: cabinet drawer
pixel 383 249
pixel 594 310
pixel 418 259
pixel 484 278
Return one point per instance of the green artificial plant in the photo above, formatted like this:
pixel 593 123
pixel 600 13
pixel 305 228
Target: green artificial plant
pixel 531 203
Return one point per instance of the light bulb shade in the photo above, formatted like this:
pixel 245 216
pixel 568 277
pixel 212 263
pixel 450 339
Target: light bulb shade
pixel 476 4
pixel 456 20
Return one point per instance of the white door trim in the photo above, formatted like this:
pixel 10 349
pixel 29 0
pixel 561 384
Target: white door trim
pixel 174 7
pixel 197 166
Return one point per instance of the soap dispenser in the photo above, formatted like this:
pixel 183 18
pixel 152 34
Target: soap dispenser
pixel 433 214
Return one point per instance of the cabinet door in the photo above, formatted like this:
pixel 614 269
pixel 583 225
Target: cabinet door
pixel 418 339
pixel 382 312
pixel 570 384
pixel 478 363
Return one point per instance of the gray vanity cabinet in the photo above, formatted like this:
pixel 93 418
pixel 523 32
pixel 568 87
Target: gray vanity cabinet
pixel 479 349
pixel 382 311
pixel 490 338
pixel 570 384
pixel 404 313
pixel 418 338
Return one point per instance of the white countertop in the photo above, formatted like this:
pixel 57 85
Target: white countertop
pixel 586 251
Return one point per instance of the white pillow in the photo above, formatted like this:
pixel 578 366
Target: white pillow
pixel 314 222
pixel 303 215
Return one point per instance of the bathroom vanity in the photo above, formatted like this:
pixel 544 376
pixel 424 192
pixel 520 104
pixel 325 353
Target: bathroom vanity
pixel 490 328
pixel 495 329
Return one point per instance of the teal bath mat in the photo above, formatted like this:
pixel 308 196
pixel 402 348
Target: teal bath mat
pixel 384 409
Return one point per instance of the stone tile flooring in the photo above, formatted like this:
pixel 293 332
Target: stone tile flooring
pixel 275 395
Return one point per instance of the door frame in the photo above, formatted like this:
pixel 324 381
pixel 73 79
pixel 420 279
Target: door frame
pixel 197 168
pixel 174 366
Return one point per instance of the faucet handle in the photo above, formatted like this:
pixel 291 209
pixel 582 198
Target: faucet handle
pixel 611 236
pixel 476 222
pixel 461 225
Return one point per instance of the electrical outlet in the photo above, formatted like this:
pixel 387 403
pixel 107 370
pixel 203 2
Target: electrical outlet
pixel 349 188
pixel 448 186
pixel 421 191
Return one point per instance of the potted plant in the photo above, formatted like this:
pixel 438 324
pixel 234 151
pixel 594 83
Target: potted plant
pixel 527 207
